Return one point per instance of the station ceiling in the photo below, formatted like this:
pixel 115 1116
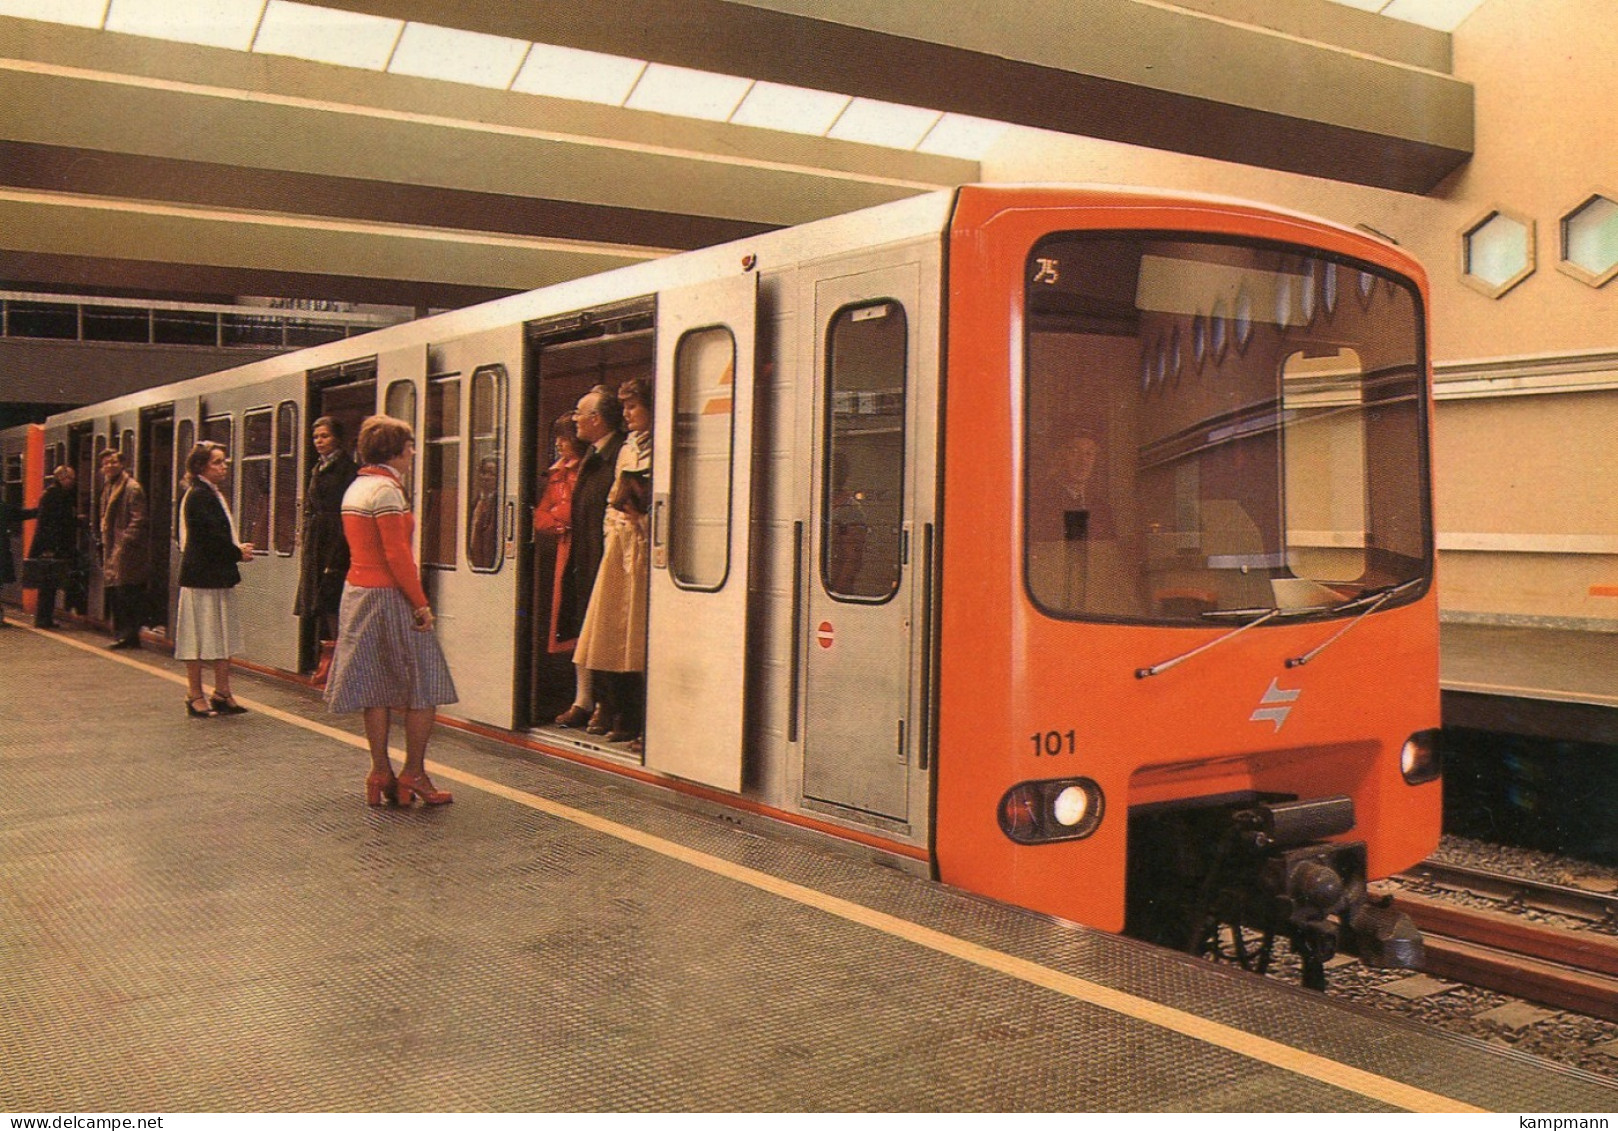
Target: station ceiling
pixel 209 169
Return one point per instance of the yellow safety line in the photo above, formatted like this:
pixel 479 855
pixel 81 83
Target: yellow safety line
pixel 1261 1049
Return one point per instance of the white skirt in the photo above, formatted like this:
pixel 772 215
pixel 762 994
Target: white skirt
pixel 207 627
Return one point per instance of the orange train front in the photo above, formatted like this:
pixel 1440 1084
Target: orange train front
pixel 1188 634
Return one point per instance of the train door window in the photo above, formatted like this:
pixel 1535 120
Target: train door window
pixel 99 489
pixel 441 472
pixel 253 464
pixel 699 520
pixel 185 440
pixel 126 447
pixel 217 430
pixel 486 460
pixel 286 478
pixel 861 548
pixel 399 402
pixel 14 480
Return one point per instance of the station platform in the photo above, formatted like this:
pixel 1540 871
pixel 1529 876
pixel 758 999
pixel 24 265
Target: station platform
pixel 1536 682
pixel 202 915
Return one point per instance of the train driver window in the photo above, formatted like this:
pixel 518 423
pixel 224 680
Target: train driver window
pixel 1210 432
pixel 484 502
pixel 862 506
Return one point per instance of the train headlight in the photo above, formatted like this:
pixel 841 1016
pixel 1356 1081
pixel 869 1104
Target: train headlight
pixel 1038 812
pixel 1419 760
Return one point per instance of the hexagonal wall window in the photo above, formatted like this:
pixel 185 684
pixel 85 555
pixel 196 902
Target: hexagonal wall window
pixel 1497 252
pixel 1590 241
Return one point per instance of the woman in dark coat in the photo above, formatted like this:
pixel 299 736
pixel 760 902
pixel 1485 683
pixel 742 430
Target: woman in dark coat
pixel 8 515
pixel 325 551
pixel 208 627
pixel 56 541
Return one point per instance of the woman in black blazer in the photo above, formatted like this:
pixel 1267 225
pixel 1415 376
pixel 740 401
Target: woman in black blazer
pixel 208 627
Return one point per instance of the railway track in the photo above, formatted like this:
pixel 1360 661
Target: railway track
pixel 1500 950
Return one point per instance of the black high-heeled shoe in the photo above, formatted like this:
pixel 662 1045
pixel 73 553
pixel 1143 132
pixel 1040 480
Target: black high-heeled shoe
pixel 205 713
pixel 226 705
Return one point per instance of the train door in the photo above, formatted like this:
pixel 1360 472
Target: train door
pixel 468 491
pixel 700 528
pixel 155 471
pixel 870 507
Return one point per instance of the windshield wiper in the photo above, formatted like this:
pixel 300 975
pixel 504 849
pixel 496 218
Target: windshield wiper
pixel 1372 599
pixel 1259 617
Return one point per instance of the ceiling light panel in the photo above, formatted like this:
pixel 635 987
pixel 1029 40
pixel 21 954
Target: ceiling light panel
pixel 959 135
pixel 79 13
pixel 432 52
pixel 209 23
pixel 883 123
pixel 690 94
pixel 326 35
pixel 586 76
pixel 1444 15
pixel 795 109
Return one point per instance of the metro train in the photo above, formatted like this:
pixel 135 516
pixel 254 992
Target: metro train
pixel 1073 545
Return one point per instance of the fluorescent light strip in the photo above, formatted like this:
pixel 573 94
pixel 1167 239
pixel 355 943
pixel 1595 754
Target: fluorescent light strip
pixel 354 39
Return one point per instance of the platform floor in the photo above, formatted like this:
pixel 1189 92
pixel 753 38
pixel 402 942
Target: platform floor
pixel 202 915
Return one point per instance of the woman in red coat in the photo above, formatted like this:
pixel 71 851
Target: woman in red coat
pixel 554 517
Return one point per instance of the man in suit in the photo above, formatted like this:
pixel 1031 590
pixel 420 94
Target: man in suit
pixel 56 539
pixel 125 553
pixel 600 424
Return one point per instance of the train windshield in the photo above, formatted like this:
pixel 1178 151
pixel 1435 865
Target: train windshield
pixel 1215 426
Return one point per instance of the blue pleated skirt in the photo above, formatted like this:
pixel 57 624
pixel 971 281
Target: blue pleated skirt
pixel 381 660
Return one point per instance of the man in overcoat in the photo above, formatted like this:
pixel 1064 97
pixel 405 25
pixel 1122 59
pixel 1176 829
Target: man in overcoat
pixel 600 424
pixel 125 548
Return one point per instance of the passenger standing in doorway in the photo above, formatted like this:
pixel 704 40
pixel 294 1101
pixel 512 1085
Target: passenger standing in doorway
pixel 599 420
pixel 324 564
pixel 612 643
pixel 125 549
pixel 553 517
pixel 56 540
pixel 387 658
pixel 8 567
pixel 207 628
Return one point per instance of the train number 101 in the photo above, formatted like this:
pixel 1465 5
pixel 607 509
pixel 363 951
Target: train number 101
pixel 1052 743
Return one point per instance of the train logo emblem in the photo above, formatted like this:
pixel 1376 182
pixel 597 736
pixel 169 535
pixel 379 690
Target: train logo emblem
pixel 823 634
pixel 1269 707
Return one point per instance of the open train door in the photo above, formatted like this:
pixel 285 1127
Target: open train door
pixel 702 472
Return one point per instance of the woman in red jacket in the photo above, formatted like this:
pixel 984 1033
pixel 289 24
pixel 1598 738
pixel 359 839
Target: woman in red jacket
pixel 387 658
pixel 554 517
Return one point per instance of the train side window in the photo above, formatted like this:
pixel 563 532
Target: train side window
pixel 861 554
pixel 485 423
pixel 185 440
pixel 286 478
pixel 14 480
pixel 441 472
pixel 253 464
pixel 704 443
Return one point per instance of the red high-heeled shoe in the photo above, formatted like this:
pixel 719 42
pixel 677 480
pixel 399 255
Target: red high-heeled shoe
pixel 420 785
pixel 381 787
